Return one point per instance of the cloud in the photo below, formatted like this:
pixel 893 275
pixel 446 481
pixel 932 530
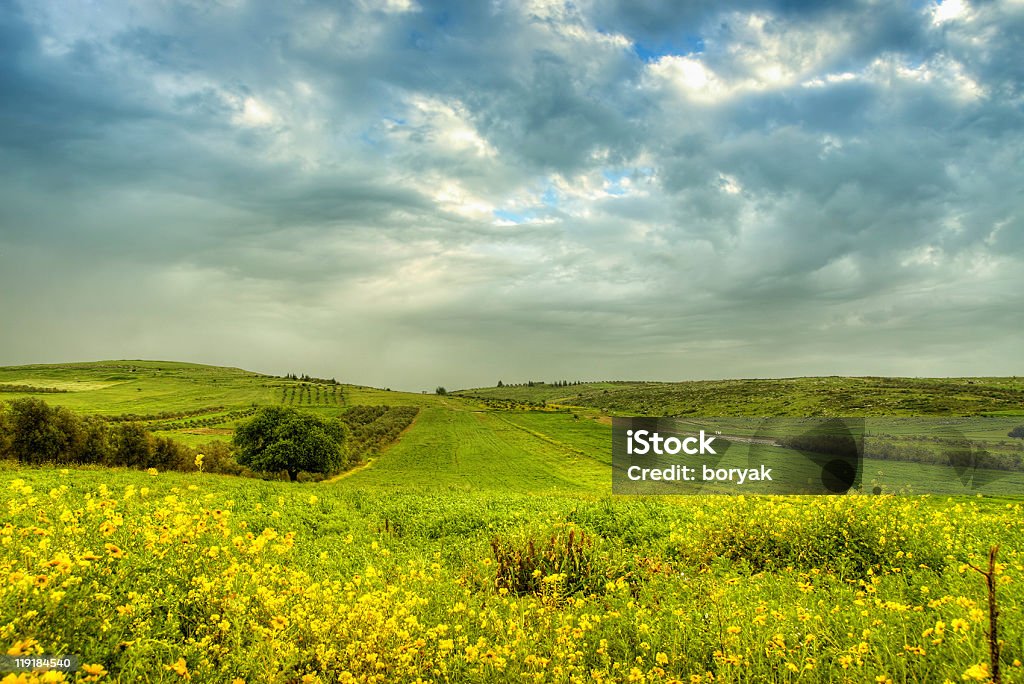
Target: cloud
pixel 421 193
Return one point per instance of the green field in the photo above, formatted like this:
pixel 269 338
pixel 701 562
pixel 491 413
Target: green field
pixel 456 555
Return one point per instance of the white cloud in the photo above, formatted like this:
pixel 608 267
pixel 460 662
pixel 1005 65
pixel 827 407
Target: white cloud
pixel 949 10
pixel 254 113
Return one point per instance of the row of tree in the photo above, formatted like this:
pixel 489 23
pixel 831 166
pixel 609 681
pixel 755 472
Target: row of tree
pixel 310 378
pixel 538 383
pixel 955 452
pixel 31 431
pixel 29 389
pixel 373 427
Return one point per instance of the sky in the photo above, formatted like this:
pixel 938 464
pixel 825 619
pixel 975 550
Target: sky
pixel 409 194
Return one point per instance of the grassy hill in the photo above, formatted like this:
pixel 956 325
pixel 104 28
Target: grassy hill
pixel 190 402
pixel 826 396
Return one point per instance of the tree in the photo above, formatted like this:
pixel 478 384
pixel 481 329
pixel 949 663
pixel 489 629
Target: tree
pixel 1017 432
pixel 41 433
pixel 280 438
pixel 133 446
pixel 441 390
pixel 500 384
pixel 5 431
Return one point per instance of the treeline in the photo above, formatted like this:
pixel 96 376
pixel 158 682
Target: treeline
pixel 945 452
pixel 165 415
pixel 372 427
pixel 29 389
pixel 310 378
pixel 35 433
pixel 960 453
pixel 826 444
pixel 541 383
pixel 210 421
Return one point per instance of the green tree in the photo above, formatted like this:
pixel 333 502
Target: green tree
pixel 1017 432
pixel 133 446
pixel 441 391
pixel 41 433
pixel 280 438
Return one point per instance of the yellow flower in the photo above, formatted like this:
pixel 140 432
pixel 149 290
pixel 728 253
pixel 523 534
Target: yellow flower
pixel 21 647
pixel 734 629
pixel 94 670
pixel 180 668
pixel 152 471
pixel 114 551
pixel 978 673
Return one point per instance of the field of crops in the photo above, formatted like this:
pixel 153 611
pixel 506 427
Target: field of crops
pixel 485 545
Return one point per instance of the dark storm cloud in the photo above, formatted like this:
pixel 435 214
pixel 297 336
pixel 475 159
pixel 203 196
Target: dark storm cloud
pixel 410 193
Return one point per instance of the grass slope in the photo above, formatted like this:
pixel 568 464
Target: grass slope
pixel 216 398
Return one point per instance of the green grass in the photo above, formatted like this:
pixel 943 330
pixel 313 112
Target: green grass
pixel 460 449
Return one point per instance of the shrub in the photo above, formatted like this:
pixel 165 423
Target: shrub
pixel 562 563
pixel 132 446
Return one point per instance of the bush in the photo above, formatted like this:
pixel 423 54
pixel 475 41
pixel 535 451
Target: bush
pixel 5 431
pixel 561 563
pixel 219 457
pixel 41 433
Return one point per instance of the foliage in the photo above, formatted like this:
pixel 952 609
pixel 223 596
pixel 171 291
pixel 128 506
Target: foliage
pixel 35 433
pixel 1017 432
pixel 280 438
